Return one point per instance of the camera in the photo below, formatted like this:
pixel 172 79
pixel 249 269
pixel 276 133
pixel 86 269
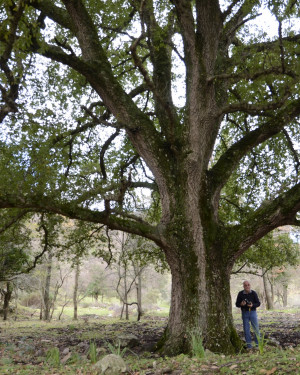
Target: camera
pixel 247 301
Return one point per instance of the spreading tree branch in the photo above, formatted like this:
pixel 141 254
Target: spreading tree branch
pixel 252 76
pixel 229 9
pixel 53 12
pixel 159 41
pixel 222 170
pixel 249 50
pixel 256 109
pixel 95 67
pixel 270 215
pixel 10 94
pixel 293 150
pixel 113 220
pixel 45 247
pixel 104 149
pixel 186 24
pixel 238 19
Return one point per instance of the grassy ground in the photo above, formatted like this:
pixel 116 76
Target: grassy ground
pixel 34 347
pixel 273 361
pixel 89 307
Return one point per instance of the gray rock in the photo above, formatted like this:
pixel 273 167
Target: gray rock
pixel 111 364
pixel 65 351
pixel 128 340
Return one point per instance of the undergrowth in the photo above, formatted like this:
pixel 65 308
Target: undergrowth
pixel 14 359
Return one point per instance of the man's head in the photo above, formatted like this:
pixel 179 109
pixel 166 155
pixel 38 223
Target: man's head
pixel 247 286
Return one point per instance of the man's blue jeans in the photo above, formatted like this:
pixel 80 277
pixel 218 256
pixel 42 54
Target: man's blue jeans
pixel 250 317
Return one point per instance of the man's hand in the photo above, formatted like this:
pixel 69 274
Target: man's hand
pixel 243 303
pixel 250 304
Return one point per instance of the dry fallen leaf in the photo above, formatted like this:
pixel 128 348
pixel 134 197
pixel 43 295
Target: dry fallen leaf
pixel 204 367
pixel 268 372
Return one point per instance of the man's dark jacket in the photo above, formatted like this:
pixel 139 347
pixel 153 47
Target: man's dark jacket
pixel 252 297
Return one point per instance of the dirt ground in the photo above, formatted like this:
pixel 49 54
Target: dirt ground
pixel 29 343
pixel 279 327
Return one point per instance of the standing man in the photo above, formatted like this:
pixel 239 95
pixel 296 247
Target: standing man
pixel 248 301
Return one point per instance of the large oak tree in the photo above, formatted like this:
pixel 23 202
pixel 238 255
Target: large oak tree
pixel 222 163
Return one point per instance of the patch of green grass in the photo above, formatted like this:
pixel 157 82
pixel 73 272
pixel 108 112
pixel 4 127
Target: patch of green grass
pixel 75 359
pixel 93 352
pixel 142 364
pixel 69 312
pixel 53 357
pixel 72 327
pixel 262 342
pixel 285 361
pixel 162 312
pixel 116 349
pixel 6 361
pixel 281 362
pixel 287 310
pixel 198 350
pixel 82 369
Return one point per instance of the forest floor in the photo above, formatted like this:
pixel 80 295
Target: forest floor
pixel 30 347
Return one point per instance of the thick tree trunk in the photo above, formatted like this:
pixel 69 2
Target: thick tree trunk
pixel 7 298
pixel 200 264
pixel 200 296
pixel 200 303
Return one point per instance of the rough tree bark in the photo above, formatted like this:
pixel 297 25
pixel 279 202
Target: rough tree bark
pixel 198 259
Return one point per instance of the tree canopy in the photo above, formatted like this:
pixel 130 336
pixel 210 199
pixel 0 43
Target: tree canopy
pixel 191 101
pixel 14 244
pixel 275 250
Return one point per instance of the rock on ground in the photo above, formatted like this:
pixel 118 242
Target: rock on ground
pixel 111 364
